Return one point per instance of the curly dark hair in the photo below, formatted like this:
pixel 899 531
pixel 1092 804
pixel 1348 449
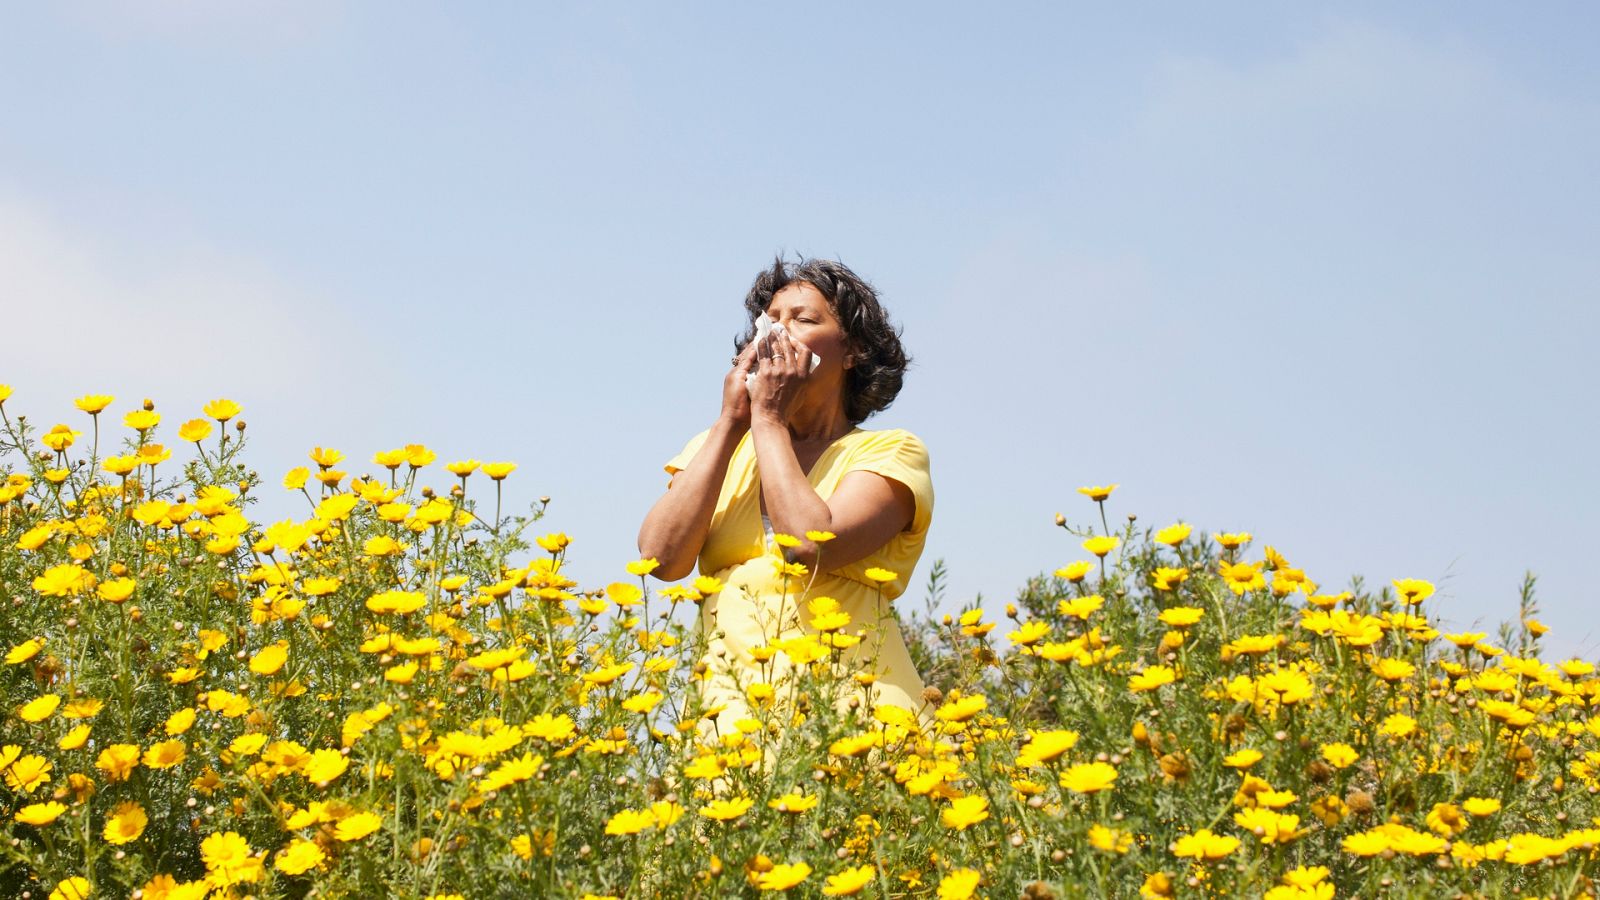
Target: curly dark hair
pixel 880 360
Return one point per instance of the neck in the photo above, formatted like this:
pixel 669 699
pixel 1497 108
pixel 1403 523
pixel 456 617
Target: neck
pixel 819 421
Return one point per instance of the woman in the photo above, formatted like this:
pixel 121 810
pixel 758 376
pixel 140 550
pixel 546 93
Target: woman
pixel 787 456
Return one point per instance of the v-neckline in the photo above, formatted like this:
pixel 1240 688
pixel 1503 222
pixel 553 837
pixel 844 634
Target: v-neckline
pixel 761 513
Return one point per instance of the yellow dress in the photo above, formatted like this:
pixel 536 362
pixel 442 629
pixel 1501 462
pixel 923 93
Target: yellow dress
pixel 738 551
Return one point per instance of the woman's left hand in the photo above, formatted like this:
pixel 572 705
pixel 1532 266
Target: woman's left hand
pixel 783 368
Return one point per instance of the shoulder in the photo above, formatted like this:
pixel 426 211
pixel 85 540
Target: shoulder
pixel 887 439
pixel 889 447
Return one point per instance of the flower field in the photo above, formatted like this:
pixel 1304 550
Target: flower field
pixel 401 694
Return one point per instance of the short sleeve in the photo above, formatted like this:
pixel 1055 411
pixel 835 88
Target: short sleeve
pixel 900 455
pixel 681 461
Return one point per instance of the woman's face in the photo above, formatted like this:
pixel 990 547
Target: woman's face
pixel 805 314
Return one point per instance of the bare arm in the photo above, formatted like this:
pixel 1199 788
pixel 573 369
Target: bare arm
pixel 864 513
pixel 676 527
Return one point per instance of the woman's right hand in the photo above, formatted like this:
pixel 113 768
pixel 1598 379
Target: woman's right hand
pixel 735 395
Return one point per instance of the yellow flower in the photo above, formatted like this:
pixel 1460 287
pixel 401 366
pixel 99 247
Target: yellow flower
pixel 1241 577
pixel 849 882
pixel 397 602
pixel 1203 845
pixel 39 814
pixel 1081 607
pixel 1446 819
pixel 1392 669
pixel 1165 578
pixel 299 857
pixel 125 823
pixel 1270 826
pixel 1413 590
pixel 1097 494
pixel 1157 886
pixel 1242 759
pixel 1305 876
pixel 962 708
pixel 787 541
pixel 629 821
pixel 964 812
pixel 880 576
pixel 180 721
pixel 403 673
pixel 1173 535
pixel 1366 843
pixel 1045 746
pixel 165 754
pixel 24 651
pixel 358 826
pixel 624 594
pixel 269 659
pixel 1074 572
pixel 228 859
pixel 194 431
pixel 59 437
pixel 1151 678
pixel 1481 806
pixel 1100 545
pixel 1398 725
pixel 324 766
pixel 960 884
pixel 39 708
pixel 83 708
pixel 74 888
pixel 463 468
pixel 819 537
pixel 325 457
pixel 65 580
pixel 1089 778
pixel 221 409
pixel 607 673
pixel 93 403
pixel 116 590
pixel 118 761
pixel 642 703
pixel 642 567
pixel 554 542
pixel 499 470
pixel 296 477
pixel 1030 633
pixel 1252 644
pixel 1181 616
pixel 142 420
pixel 783 876
pixel 26 773
pixel 1340 756
pixel 726 810
pixel 794 803
pixel 1109 840
pixel 551 728
pixel 1232 541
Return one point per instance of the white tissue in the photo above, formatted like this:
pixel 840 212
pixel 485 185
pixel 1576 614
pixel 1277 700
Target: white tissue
pixel 764 327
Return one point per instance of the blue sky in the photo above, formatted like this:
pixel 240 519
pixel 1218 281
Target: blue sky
pixel 1324 275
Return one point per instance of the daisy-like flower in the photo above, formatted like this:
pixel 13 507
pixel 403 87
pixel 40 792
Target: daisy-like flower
pixel 125 824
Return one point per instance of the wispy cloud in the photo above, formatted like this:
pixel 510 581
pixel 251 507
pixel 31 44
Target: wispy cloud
pixel 84 310
pixel 237 23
